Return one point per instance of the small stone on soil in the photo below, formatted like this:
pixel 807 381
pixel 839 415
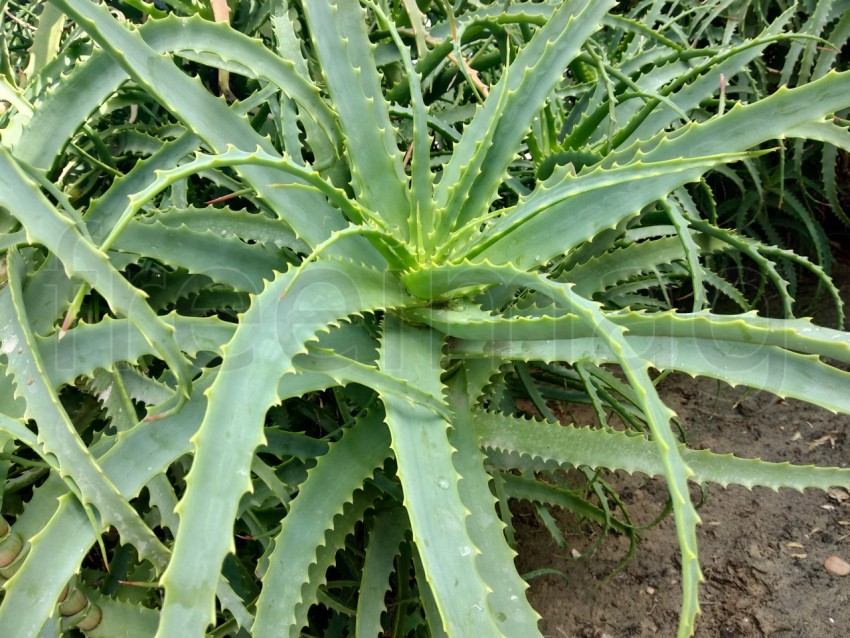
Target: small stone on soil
pixel 837 494
pixel 837 566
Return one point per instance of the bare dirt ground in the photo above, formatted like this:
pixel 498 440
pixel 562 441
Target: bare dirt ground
pixel 762 552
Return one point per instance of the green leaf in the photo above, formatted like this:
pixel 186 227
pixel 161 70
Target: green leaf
pixel 308 214
pixel 420 221
pixel 575 208
pixel 388 532
pixel 105 211
pixel 541 445
pixel 280 321
pixel 288 591
pixel 45 225
pixel 109 389
pixel 440 280
pixel 621 264
pixel 470 323
pixel 247 226
pixel 303 178
pixel 56 433
pixel 288 47
pixel 19 431
pixel 61 533
pixel 692 252
pixel 339 34
pixel 122 619
pixel 91 82
pixel 532 238
pixel 507 599
pixel 785 374
pixel 342 370
pixel 422 449
pixel 216 44
pixel 45 42
pixel 694 84
pixel 490 141
pixel 223 259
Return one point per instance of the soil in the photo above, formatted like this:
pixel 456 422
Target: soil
pixel 762 552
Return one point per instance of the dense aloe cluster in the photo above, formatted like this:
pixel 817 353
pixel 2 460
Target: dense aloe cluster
pixel 276 273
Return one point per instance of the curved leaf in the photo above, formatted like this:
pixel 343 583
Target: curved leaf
pixel 45 225
pixel 56 433
pixel 783 373
pixel 281 319
pixel 422 449
pixel 440 280
pixel 288 590
pixel 308 214
pixel 479 161
pixel 541 237
pixel 536 445
pixel 342 44
pixel 387 534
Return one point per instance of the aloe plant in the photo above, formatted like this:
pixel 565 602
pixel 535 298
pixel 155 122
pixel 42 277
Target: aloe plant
pixel 787 196
pixel 422 200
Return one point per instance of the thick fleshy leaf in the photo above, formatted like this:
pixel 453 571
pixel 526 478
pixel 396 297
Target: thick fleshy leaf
pixel 534 445
pixel 281 320
pixel 288 590
pixel 420 441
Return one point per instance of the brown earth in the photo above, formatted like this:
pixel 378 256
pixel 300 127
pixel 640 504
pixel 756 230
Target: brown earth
pixel 762 552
